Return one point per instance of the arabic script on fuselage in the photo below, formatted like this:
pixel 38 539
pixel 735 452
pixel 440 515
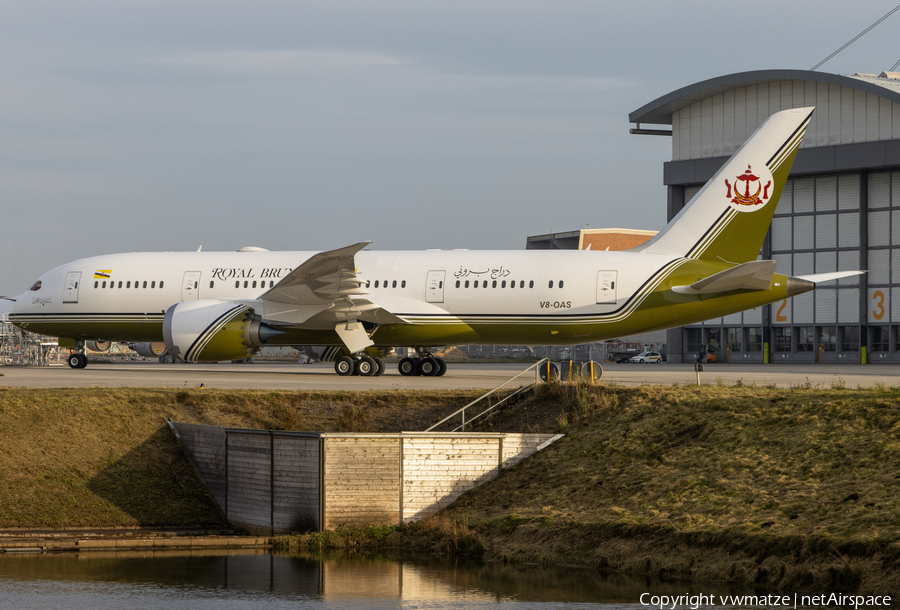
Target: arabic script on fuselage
pixel 494 273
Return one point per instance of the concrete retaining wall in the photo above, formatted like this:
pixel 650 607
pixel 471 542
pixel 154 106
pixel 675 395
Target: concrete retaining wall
pixel 279 482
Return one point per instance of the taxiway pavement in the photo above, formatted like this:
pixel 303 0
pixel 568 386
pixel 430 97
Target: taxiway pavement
pixel 289 376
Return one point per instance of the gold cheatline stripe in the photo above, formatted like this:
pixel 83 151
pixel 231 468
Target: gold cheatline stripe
pixel 786 151
pixel 792 145
pixel 210 332
pixel 662 275
pixel 711 237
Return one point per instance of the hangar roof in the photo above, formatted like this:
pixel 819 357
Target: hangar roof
pixel 660 110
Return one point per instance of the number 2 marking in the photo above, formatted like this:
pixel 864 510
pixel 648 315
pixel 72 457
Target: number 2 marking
pixel 779 315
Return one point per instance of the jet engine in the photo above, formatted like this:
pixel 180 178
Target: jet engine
pixel 149 350
pixel 211 330
pixel 98 346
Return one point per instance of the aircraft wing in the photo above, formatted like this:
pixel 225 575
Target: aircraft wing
pixel 755 275
pixel 325 292
pixel 324 277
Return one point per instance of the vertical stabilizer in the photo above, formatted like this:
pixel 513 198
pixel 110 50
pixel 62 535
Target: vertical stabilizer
pixel 728 219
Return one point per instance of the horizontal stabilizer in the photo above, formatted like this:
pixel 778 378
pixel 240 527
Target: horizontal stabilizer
pixel 817 278
pixel 755 275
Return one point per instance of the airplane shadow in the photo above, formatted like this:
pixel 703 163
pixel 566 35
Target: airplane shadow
pixel 154 484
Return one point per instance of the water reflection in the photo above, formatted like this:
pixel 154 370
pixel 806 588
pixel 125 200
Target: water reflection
pixel 219 579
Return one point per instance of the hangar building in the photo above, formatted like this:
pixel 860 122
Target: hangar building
pixel 839 211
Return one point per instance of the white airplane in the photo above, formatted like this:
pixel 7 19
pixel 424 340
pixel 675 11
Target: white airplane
pixel 214 306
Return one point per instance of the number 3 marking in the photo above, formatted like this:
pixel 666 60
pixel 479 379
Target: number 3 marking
pixel 779 315
pixel 878 312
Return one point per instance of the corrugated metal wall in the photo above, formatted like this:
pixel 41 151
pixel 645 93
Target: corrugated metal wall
pixel 718 125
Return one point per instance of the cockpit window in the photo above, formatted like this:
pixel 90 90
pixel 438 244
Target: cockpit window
pixel 36 287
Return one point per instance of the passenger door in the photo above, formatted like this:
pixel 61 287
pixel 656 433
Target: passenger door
pixel 70 292
pixel 190 289
pixel 606 287
pixel 434 287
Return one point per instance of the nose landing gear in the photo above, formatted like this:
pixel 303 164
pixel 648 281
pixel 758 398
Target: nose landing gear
pixel 78 360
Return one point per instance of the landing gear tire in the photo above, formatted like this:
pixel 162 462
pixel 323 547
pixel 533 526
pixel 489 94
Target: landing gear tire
pixel 366 367
pixel 380 367
pixel 344 366
pixel 442 367
pixel 408 367
pixel 77 361
pixel 429 367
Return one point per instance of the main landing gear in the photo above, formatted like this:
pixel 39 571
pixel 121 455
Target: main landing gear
pixel 427 366
pixel 364 366
pixel 78 360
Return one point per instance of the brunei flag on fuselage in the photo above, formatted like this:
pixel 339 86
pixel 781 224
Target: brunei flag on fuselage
pixel 102 274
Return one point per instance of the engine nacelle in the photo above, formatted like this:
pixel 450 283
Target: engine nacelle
pixel 98 346
pixel 210 330
pixel 149 350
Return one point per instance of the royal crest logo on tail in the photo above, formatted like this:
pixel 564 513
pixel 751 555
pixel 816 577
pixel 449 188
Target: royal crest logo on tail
pixel 750 191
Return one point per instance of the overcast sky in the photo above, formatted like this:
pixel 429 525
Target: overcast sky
pixel 141 126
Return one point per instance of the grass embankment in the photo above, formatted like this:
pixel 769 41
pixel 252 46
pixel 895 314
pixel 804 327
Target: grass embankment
pixel 105 457
pixel 782 488
pixel 779 488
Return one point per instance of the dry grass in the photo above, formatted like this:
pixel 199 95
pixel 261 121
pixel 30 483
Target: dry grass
pixel 104 457
pixel 788 462
pixel 654 479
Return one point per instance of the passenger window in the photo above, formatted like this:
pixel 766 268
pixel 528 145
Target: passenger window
pixel 530 284
pixel 145 283
pixel 494 285
pixel 551 283
pixel 394 284
pixel 246 283
pixel 237 284
pixel 376 283
pixel 95 284
pixel 503 284
pixel 211 284
pixel 128 284
pixel 467 283
pixel 560 283
pixel 403 284
pixel 104 284
pixel 254 283
pixel 457 283
pixel 271 283
pixel 152 284
pixel 120 285
pixel 368 282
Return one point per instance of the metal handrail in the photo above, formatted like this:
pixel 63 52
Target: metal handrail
pixel 483 396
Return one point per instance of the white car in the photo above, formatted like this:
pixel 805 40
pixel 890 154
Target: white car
pixel 647 357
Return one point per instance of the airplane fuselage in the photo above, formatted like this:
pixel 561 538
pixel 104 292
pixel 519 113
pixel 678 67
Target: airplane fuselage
pixel 443 297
